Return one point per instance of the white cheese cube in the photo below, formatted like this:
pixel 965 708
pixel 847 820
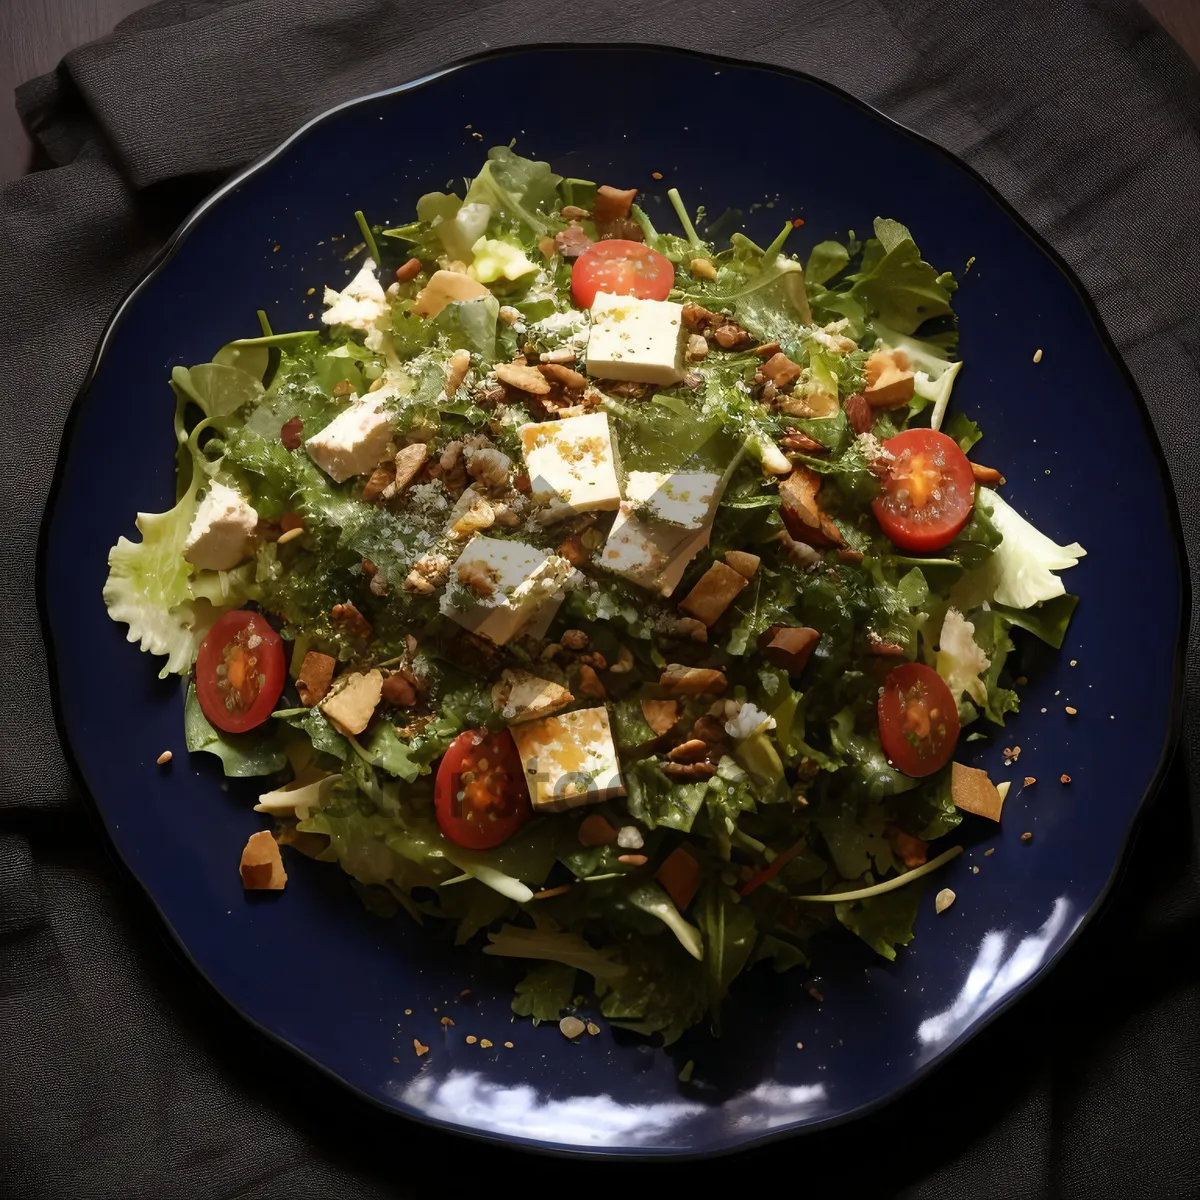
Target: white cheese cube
pixel 685 498
pixel 497 586
pixel 361 305
pixel 649 553
pixel 221 531
pixel 571 465
pixel 569 759
pixel 354 442
pixel 636 340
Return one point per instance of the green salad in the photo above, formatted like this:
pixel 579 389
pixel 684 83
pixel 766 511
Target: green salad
pixel 618 596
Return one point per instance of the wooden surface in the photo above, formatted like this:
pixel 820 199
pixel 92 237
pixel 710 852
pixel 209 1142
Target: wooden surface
pixel 35 34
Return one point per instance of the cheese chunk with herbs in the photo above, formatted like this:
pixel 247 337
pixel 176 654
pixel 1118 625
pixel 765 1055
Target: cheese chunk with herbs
pixel 571 466
pixel 496 587
pixel 684 498
pixel 640 341
pixel 651 554
pixel 354 442
pixel 221 531
pixel 569 759
pixel 362 304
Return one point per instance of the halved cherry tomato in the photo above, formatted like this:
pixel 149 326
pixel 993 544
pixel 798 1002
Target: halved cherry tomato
pixel 622 269
pixel 918 719
pixel 481 795
pixel 928 492
pixel 240 671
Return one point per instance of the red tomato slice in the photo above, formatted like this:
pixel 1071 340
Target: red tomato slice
pixel 918 719
pixel 481 795
pixel 928 492
pixel 622 269
pixel 240 671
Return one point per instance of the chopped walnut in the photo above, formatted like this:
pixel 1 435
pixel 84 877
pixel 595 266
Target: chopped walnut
pixel 678 680
pixel 564 375
pixel 696 770
pixel 489 467
pixel 575 639
pixel 697 347
pixel 401 689
pixel 428 573
pixel 382 479
pixel 477 577
pixel 348 616
pixel 589 683
pixel 731 336
pixel 693 750
pixel 408 462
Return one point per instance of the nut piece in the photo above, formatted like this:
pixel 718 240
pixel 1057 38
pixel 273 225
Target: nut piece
pixel 703 268
pixel 890 381
pixel 612 204
pixel 859 413
pixel 802 514
pixel 351 707
pixel 699 770
pixel 574 639
pixel 714 592
pixel 166 756
pixel 988 476
pixel 973 792
pixel 400 690
pixel 678 680
pixel 697 347
pixel 911 851
pixel 731 336
pixel 409 271
pixel 523 696
pixel 382 482
pixel 262 865
pixel 408 462
pixel 589 683
pixel 348 616
pixel 428 573
pixel 523 378
pixel 292 434
pixel 780 370
pixel 789 648
pixel 660 715
pixel 594 830
pixel 632 860
pixel 744 563
pixel 316 674
pixel 457 368
pixel 490 467
pixel 564 375
pixel 690 751
pixel 943 900
pixel 571 1027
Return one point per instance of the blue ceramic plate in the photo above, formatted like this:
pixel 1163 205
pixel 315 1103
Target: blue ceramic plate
pixel 349 991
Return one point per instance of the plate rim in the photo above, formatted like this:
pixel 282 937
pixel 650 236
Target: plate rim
pixel 800 1126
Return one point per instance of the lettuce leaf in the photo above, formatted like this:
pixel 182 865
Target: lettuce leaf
pixel 520 189
pixel 662 989
pixel 242 755
pixel 883 922
pixel 896 284
pixel 544 992
pixel 729 932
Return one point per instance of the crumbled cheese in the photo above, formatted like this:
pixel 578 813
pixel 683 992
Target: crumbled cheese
pixel 362 304
pixel 747 720
pixel 221 531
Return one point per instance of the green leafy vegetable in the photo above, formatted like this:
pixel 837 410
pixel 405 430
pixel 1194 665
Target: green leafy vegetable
pixel 544 992
pixel 241 754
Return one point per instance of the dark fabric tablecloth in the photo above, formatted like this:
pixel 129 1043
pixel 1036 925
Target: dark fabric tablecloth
pixel 122 1074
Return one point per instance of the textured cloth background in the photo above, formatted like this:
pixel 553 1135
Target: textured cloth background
pixel 123 1075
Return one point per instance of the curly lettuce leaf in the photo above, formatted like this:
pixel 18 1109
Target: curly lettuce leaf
pixel 544 992
pixel 1019 573
pixel 960 660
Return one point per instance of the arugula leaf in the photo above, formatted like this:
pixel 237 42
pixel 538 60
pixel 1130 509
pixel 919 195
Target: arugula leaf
pixel 662 989
pixel 769 600
pixel 544 992
pixel 883 922
pixel 391 754
pixel 780 953
pixel 471 325
pixel 242 754
pixel 963 430
pixel 768 299
pixel 729 931
pixel 928 812
pixel 320 732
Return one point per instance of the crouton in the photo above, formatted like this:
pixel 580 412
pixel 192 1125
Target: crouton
pixel 445 287
pixel 262 865
pixel 316 674
pixel 714 592
pixel 594 830
pixel 612 203
pixel 787 647
pixel 351 707
pixel 801 513
pixel 890 380
pixel 408 462
pixel 680 877
pixel 523 696
pixel 973 792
